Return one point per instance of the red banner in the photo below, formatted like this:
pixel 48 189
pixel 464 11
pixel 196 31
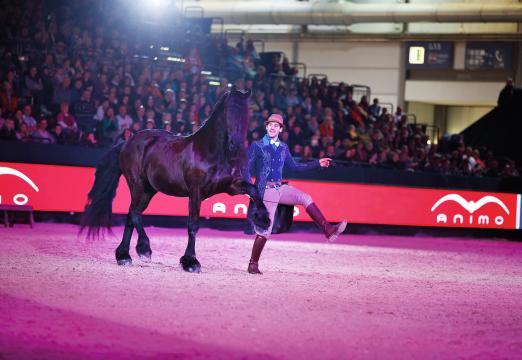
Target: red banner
pixel 65 188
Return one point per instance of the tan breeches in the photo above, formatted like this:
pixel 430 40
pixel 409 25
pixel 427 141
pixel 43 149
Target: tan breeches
pixel 285 194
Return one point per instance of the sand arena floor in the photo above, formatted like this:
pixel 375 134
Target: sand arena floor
pixel 364 297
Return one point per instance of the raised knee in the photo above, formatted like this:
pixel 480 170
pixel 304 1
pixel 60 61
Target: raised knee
pixel 306 200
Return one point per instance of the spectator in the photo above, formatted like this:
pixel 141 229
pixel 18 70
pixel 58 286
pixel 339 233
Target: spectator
pixel 379 158
pixel 101 109
pixel 167 119
pixel 107 129
pixel 123 119
pixel 28 118
pixel 89 140
pixel 41 134
pixel 374 109
pixel 193 62
pixel 398 115
pixel 394 161
pixel 295 137
pixel 8 131
pixel 326 129
pixel 84 110
pixel 136 126
pixel 63 92
pixel 509 169
pixel 58 135
pixel 65 119
pixel 8 99
pixel 34 85
pixel 125 135
pixel 292 99
pixel 2 119
pixel 140 115
pixel 76 91
pixel 150 124
pixel 364 105
pixel 23 134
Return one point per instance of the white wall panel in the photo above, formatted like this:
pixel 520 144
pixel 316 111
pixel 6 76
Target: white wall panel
pixel 460 117
pixel 425 112
pixel 453 92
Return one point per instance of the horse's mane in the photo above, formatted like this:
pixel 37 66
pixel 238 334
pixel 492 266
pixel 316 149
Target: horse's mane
pixel 211 130
pixel 216 112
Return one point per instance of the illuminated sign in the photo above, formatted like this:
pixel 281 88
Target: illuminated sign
pixel 65 188
pixel 489 55
pixel 416 55
pixel 429 55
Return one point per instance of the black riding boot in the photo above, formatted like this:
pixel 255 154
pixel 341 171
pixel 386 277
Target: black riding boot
pixel 330 231
pixel 259 244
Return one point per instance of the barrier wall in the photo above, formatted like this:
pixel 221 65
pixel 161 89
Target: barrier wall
pixel 34 153
pixel 65 188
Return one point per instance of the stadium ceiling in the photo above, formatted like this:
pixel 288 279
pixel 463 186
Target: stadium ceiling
pixel 340 19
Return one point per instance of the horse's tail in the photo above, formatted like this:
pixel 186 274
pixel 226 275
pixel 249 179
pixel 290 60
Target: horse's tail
pixel 98 211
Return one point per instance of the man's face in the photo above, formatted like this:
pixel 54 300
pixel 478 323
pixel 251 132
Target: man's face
pixel 273 129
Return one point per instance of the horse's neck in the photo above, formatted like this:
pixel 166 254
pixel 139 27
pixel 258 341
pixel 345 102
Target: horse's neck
pixel 215 135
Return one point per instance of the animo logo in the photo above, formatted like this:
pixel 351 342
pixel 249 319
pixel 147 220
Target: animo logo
pixel 18 199
pixel 471 207
pixel 219 207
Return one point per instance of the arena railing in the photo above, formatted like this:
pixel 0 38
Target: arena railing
pixel 361 90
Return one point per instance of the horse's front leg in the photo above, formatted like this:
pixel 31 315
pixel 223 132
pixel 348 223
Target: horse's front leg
pixel 261 217
pixel 189 262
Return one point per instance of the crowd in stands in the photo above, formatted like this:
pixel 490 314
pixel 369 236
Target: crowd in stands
pixel 70 78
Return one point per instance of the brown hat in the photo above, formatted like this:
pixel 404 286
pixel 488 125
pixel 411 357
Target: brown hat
pixel 275 118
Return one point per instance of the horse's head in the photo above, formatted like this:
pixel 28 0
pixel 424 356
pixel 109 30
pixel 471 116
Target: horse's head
pixel 236 117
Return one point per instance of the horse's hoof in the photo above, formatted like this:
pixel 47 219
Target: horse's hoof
pixel 145 257
pixel 190 264
pixel 124 262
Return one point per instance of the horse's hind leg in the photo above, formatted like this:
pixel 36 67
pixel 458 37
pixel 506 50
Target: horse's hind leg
pixel 140 201
pixel 189 262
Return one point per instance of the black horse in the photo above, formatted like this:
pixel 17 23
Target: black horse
pixel 200 165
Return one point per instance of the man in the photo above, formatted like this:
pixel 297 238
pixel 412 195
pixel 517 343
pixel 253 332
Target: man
pixel 41 134
pixel 28 118
pixel 84 110
pixel 266 159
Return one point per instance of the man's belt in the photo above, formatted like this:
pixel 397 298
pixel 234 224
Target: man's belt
pixel 275 184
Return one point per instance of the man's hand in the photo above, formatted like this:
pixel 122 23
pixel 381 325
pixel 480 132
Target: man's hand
pixel 325 162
